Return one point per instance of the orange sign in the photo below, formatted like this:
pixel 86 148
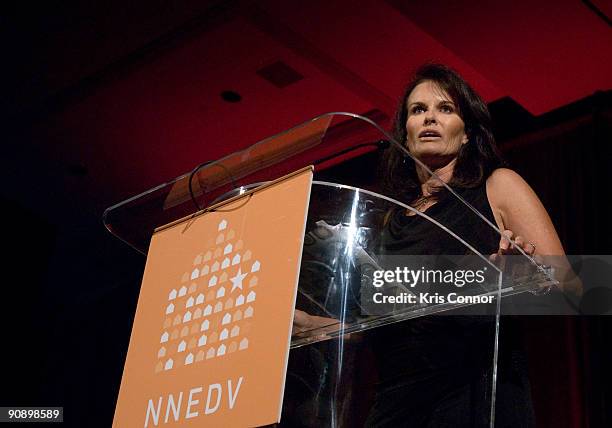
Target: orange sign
pixel 211 335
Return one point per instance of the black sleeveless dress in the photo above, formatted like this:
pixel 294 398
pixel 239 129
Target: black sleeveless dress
pixel 435 371
pixel 415 235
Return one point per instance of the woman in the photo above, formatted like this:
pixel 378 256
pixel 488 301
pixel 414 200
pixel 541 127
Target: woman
pixel 438 373
pixel 434 371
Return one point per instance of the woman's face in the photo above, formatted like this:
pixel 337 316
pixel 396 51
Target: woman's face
pixel 435 131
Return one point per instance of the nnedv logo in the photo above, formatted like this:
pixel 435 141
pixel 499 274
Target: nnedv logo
pixel 208 315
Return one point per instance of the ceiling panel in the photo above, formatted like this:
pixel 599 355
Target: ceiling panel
pixel 163 119
pixel 148 108
pixel 544 54
pixel 374 41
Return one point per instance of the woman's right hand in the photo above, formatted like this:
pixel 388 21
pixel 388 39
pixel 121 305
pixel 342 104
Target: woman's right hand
pixel 303 321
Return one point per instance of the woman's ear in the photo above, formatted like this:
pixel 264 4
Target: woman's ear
pixel 466 135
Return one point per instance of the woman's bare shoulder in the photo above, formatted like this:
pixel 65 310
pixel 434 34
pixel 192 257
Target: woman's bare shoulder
pixel 504 177
pixel 505 186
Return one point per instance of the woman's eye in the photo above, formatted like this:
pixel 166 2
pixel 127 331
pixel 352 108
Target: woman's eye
pixel 417 109
pixel 446 109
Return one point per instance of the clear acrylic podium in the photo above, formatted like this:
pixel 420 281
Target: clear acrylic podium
pixel 374 352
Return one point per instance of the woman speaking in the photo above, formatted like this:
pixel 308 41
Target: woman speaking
pixel 435 371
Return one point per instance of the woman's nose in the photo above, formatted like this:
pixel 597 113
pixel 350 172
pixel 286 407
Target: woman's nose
pixel 429 119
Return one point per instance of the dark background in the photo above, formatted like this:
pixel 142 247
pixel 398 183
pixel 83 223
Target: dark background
pixel 102 101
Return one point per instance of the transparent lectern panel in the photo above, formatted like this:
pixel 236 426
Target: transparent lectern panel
pixel 320 141
pixel 388 321
pixel 397 315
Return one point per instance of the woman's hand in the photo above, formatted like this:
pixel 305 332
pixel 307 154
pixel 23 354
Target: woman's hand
pixel 303 321
pixel 568 281
pixel 508 247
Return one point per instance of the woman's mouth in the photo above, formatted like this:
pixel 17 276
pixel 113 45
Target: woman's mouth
pixel 429 134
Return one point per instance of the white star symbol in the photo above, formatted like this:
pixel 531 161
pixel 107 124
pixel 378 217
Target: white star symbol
pixel 237 280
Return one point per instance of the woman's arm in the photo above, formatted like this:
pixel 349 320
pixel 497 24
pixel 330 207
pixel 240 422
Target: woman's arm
pixel 520 214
